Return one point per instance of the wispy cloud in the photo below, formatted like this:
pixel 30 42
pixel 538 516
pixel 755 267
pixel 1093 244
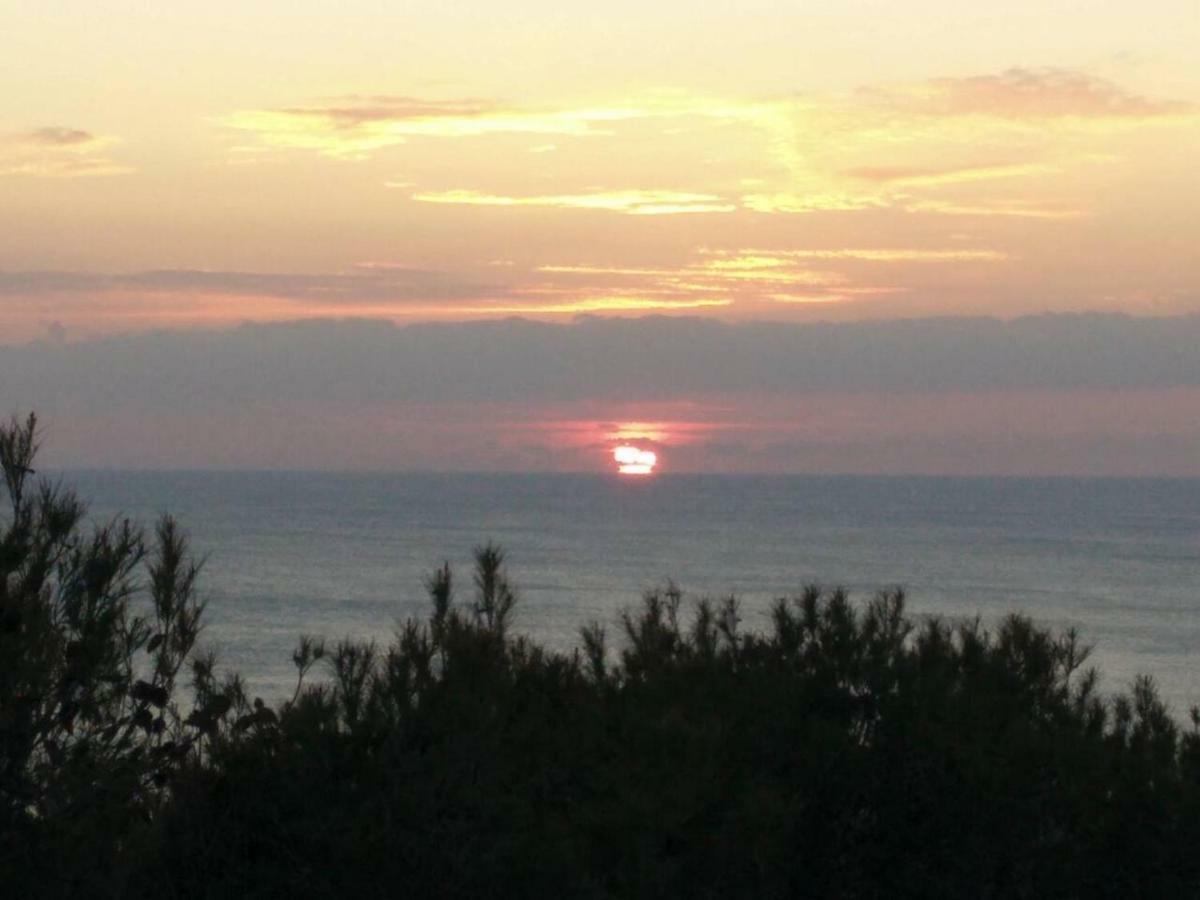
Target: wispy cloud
pixel 910 147
pixel 818 200
pixel 1020 209
pixel 741 280
pixel 56 152
pixel 613 304
pixel 903 146
pixel 364 283
pixel 359 126
pixel 708 275
pixel 89 303
pixel 869 254
pixel 1025 94
pixel 789 276
pixel 58 137
pixel 356 109
pixel 926 176
pixel 633 202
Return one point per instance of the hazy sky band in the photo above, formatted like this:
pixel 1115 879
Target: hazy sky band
pixel 1085 394
pixel 654 358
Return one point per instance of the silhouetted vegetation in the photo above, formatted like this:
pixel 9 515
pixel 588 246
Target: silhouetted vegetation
pixel 845 751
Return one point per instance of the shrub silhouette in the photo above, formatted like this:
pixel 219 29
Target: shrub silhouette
pixel 845 751
pixel 95 627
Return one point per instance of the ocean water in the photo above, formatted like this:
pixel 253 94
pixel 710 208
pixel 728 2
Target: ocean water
pixel 347 554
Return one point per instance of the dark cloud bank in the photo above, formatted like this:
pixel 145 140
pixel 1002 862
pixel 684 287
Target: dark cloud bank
pixel 651 359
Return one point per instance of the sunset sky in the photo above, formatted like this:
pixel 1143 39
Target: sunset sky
pixel 196 166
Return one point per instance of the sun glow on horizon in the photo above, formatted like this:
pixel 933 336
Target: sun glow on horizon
pixel 633 460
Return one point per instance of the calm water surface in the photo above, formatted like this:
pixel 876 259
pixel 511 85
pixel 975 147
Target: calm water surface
pixel 347 554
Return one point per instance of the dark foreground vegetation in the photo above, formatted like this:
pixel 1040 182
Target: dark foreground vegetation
pixel 849 751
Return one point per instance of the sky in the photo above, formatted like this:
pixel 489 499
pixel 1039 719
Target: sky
pixel 206 172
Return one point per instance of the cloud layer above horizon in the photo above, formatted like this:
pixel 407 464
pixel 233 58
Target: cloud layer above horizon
pixel 1087 394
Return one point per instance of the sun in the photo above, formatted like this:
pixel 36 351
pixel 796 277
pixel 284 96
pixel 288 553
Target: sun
pixel 633 460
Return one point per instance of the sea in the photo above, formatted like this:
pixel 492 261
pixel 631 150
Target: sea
pixel 347 555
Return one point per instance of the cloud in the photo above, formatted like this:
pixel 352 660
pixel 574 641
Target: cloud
pixel 891 147
pixel 720 282
pixel 869 254
pixel 94 303
pixel 60 137
pixel 1025 94
pixel 632 202
pixel 368 282
pixel 750 275
pixel 357 110
pixel 649 359
pixel 815 201
pixel 903 146
pixel 1009 208
pixel 56 152
pixel 1074 394
pixel 356 125
pixel 357 128
pixel 615 304
pixel 926 176
pixel 748 279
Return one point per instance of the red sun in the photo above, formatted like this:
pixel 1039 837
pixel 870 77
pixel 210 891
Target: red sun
pixel 634 460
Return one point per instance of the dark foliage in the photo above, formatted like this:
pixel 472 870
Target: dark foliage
pixel 846 751
pixel 95 627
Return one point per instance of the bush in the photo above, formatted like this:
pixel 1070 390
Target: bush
pixel 95 627
pixel 846 753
